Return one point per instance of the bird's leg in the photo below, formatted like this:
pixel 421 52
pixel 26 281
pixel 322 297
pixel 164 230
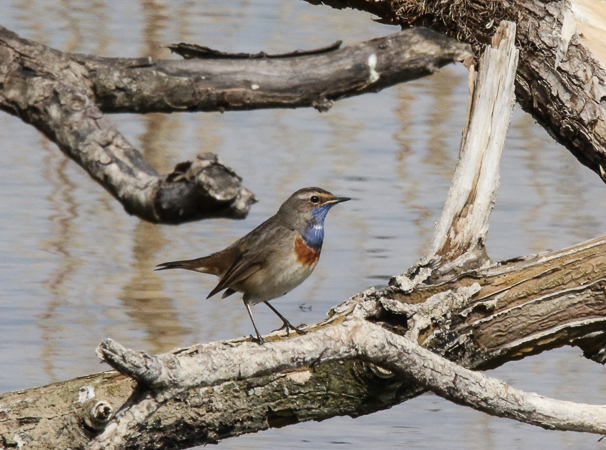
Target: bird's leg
pixel 286 324
pixel 259 338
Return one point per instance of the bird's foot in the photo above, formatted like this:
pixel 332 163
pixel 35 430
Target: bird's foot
pixel 259 340
pixel 289 326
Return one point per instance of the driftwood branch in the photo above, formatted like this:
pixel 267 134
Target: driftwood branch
pixel 52 91
pixel 561 77
pixel 460 236
pixel 298 80
pixel 65 95
pixel 354 339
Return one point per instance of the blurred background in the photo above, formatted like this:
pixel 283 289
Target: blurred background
pixel 75 269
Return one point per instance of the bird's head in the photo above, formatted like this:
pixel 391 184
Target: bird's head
pixel 308 207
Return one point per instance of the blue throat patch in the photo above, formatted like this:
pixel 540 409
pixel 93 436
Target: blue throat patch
pixel 314 232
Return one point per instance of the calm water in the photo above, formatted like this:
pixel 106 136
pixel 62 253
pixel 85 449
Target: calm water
pixel 75 269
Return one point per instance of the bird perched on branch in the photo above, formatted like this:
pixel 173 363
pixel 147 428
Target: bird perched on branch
pixel 275 257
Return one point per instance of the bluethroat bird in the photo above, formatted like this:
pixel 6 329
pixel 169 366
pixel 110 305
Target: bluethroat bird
pixel 272 259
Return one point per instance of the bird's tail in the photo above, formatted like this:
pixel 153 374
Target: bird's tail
pixel 203 265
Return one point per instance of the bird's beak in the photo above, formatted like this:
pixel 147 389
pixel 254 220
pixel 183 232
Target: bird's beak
pixel 338 200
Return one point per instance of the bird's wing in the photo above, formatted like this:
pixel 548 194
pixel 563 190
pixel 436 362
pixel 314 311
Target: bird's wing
pixel 255 250
pixel 240 270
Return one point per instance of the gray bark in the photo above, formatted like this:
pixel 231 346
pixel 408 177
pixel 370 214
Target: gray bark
pixel 52 91
pixel 355 338
pixel 65 95
pixel 208 82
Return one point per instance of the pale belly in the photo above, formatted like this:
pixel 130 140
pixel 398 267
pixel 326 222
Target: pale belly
pixel 276 282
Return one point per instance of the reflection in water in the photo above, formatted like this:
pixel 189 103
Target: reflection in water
pixel 583 224
pixel 73 24
pixel 441 89
pixel 65 232
pixel 156 140
pixel 533 161
pixel 72 19
pixel 31 16
pixel 413 198
pixel 154 18
pixel 345 161
pixel 208 137
pixel 98 9
pixel 554 178
pixel 483 427
pixel 143 295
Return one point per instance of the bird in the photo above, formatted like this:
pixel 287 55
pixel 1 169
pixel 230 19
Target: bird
pixel 272 259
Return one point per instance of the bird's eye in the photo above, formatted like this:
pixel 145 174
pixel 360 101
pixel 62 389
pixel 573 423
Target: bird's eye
pixel 314 199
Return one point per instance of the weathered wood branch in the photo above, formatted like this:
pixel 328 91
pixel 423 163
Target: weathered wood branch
pixel 64 95
pixel 460 236
pixel 561 77
pixel 52 91
pixel 353 339
pixel 299 80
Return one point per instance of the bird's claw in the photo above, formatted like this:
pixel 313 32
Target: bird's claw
pixel 259 340
pixel 289 326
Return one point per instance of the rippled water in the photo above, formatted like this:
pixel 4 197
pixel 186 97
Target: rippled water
pixel 76 269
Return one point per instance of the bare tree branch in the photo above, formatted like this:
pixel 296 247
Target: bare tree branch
pixel 51 91
pixel 355 338
pixel 300 80
pixel 463 226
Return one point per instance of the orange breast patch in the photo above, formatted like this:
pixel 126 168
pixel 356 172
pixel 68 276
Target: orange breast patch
pixel 304 253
